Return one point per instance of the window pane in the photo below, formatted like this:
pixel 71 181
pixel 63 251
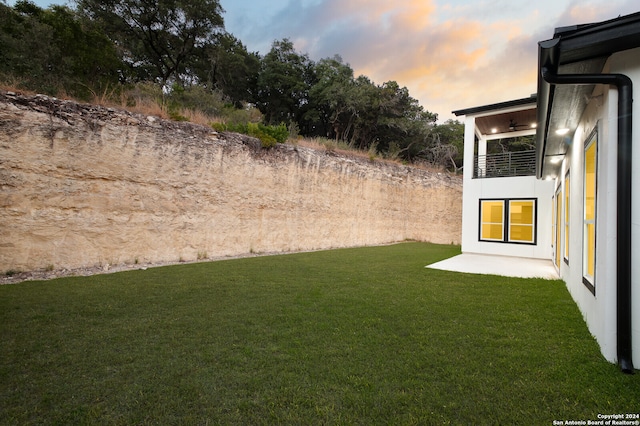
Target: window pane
pixel 567 188
pixel 556 245
pixel 521 221
pixel 492 211
pixel 590 182
pixel 521 233
pixel 591 249
pixel 521 212
pixel 492 220
pixel 589 233
pixel 492 232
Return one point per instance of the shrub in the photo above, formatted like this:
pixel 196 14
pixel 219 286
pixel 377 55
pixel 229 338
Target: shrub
pixel 269 136
pixel 248 114
pixel 280 132
pixel 210 102
pixel 373 151
pixel 294 130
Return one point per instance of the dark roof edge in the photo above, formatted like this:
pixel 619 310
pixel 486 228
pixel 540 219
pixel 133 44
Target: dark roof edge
pixel 501 105
pixel 589 41
pixel 575 44
pixel 583 29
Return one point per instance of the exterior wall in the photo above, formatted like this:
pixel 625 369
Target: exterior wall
pixel 513 187
pixel 599 310
pixel 632 67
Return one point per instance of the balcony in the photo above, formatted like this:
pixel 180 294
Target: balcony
pixel 508 164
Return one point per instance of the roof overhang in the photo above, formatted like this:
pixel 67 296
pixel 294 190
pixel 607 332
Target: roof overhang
pixel 581 49
pixel 504 119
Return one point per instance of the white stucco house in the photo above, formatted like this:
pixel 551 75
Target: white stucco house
pixel 587 125
pixel 505 209
pixel 577 200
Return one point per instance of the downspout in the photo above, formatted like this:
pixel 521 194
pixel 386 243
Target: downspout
pixel 623 256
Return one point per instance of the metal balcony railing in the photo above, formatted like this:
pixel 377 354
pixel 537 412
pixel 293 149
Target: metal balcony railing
pixel 520 163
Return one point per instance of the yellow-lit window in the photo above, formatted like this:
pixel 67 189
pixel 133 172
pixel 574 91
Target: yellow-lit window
pixel 567 189
pixel 521 221
pixel 508 221
pixel 557 203
pixel 589 235
pixel 492 220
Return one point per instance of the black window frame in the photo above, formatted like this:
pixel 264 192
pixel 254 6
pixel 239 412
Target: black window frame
pixel 505 227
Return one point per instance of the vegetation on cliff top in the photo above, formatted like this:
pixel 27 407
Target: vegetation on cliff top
pixel 175 56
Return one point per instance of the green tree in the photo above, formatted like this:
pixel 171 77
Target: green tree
pixel 445 146
pixel 365 109
pixel 53 49
pixel 388 117
pixel 354 110
pixel 23 53
pixel 228 67
pixel 331 112
pixel 159 39
pixel 402 120
pixel 284 83
pixel 520 143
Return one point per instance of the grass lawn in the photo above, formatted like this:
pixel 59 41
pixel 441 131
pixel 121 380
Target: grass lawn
pixel 353 336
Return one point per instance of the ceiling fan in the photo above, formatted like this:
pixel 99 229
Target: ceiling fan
pixel 513 126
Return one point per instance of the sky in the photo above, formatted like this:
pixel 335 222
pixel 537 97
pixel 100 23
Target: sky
pixel 450 54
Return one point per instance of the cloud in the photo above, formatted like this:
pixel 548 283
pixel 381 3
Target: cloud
pixel 451 56
pixel 443 62
pixel 583 12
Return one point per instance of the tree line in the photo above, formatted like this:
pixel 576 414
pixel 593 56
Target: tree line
pixel 181 48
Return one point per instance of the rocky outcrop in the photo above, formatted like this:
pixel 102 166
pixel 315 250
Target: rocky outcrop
pixel 83 185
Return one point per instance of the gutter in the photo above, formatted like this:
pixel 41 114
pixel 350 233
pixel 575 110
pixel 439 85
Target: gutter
pixel 623 256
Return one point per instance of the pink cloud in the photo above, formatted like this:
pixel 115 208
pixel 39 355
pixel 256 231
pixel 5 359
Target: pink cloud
pixel 450 56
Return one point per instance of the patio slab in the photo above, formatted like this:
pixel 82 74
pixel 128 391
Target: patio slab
pixel 506 266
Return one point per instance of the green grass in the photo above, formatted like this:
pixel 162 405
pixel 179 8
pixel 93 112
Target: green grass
pixel 354 336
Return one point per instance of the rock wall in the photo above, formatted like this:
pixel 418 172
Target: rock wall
pixel 83 185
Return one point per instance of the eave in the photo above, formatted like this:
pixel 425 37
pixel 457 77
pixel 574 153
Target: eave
pixel 582 49
pixel 504 119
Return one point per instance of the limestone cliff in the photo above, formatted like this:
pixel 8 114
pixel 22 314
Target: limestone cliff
pixel 83 185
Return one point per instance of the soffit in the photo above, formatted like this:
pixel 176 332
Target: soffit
pixel 569 102
pixel 581 49
pixel 506 122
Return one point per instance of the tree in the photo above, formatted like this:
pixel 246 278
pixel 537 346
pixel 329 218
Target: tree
pixel 54 49
pixel 520 143
pixel 365 109
pixel 446 145
pixel 283 84
pixel 331 112
pixel 159 39
pixel 228 66
pixel 387 117
pixel 402 120
pixel 22 51
pixel 356 111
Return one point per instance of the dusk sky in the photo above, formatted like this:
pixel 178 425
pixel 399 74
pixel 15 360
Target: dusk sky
pixel 450 54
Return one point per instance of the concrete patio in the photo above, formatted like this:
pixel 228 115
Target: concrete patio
pixel 498 265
